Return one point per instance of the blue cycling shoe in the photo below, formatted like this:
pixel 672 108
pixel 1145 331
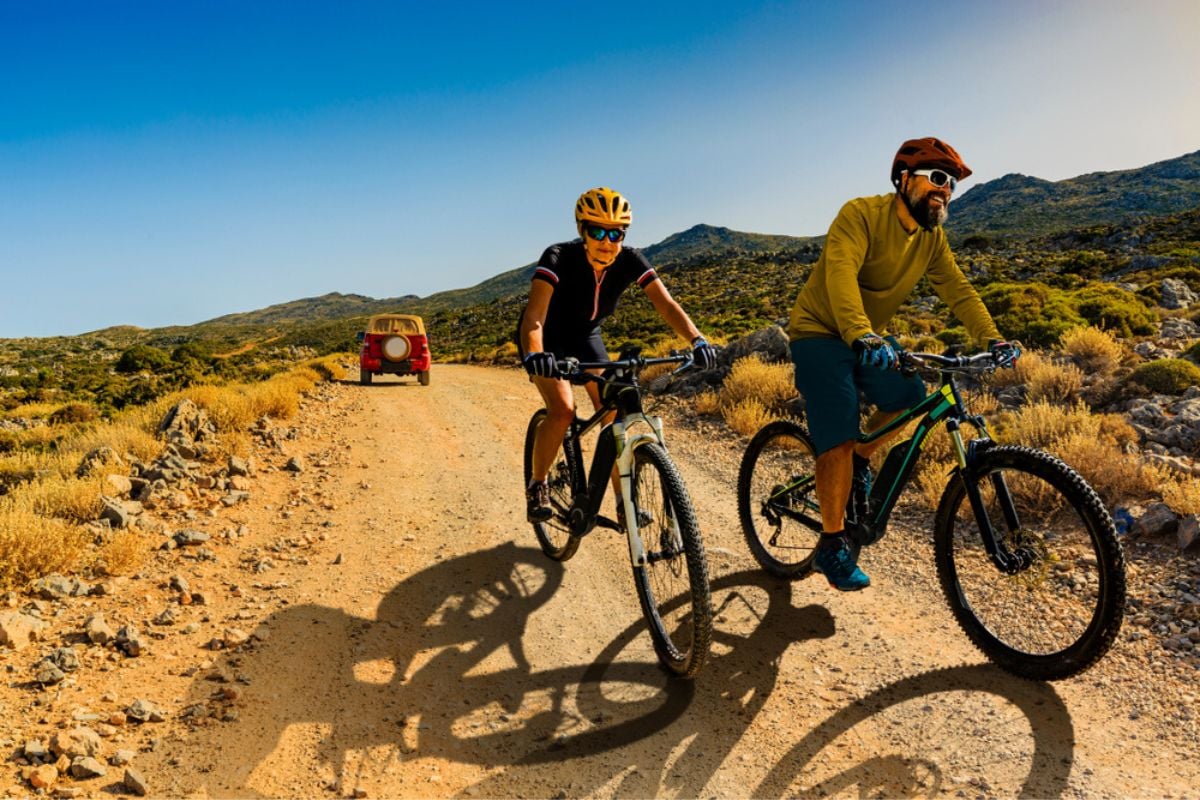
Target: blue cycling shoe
pixel 837 559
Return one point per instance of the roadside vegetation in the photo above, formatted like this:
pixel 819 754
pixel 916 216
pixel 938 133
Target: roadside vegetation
pixel 49 505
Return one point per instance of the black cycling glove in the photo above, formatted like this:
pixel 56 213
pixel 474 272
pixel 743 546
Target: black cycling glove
pixel 541 365
pixel 703 353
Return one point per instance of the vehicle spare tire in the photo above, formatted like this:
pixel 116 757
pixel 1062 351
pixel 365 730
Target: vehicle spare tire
pixel 396 348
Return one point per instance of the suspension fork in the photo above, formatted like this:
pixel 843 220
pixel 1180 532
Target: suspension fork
pixel 626 445
pixel 1005 560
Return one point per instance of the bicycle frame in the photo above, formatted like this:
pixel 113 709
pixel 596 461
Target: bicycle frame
pixel 614 445
pixel 944 404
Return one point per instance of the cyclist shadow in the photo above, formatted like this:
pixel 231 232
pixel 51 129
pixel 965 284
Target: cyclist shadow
pixel 755 625
pixel 367 683
pixel 1042 724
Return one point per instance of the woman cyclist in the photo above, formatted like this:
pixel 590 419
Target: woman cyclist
pixel 574 288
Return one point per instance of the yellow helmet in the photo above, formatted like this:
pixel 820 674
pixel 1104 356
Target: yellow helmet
pixel 602 206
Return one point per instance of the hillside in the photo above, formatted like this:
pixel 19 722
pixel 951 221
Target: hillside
pixel 1021 207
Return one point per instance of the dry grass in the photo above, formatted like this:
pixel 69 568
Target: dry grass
pixel 31 411
pixel 747 416
pixel 772 385
pixel 72 499
pixel 1180 492
pixel 124 552
pixel 1093 350
pixel 708 403
pixel 1059 383
pixel 32 546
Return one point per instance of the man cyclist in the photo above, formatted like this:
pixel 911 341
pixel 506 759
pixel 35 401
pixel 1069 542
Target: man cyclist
pixel 574 288
pixel 876 251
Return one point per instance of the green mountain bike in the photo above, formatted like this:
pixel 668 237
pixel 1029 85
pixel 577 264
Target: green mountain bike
pixel 670 570
pixel 1026 552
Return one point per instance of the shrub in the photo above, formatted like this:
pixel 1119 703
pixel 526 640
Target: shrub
pixel 32 546
pixel 142 358
pixel 747 416
pixel 1167 375
pixel 1054 382
pixel 1092 349
pixel 1032 312
pixel 772 385
pixel 73 413
pixel 124 552
pixel 1114 309
pixel 707 402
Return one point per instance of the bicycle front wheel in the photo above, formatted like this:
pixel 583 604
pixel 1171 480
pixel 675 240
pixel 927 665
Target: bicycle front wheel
pixel 673 583
pixel 777 499
pixel 1058 609
pixel 554 536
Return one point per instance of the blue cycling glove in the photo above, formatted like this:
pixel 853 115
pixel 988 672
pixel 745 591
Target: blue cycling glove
pixel 541 365
pixel 873 350
pixel 703 353
pixel 1005 353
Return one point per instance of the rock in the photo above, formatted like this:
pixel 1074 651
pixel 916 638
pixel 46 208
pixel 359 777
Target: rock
pixel 75 743
pixel 119 485
pixel 1158 519
pixel 144 711
pixel 36 751
pixel 234 497
pixel 1188 532
pixel 189 421
pixel 85 767
pixel 100 456
pixel 240 467
pixel 167 617
pixel 121 758
pixel 17 629
pixel 295 464
pixel 134 782
pixel 114 513
pixel 129 641
pixel 187 538
pixel 232 637
pixel 47 674
pixel 64 658
pixel 43 777
pixel 1176 294
pixel 60 587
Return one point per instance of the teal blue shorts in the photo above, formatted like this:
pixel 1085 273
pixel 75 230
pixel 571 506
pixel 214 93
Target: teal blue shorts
pixel 830 378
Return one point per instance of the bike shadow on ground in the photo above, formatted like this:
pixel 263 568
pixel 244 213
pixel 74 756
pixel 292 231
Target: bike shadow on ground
pixel 441 673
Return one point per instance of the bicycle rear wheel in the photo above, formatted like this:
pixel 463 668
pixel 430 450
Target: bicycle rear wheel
pixel 777 499
pixel 1061 610
pixel 554 536
pixel 673 584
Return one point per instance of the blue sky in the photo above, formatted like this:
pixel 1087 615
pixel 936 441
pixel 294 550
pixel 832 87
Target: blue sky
pixel 167 163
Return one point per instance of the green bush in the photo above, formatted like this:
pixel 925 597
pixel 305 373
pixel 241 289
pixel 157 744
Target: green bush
pixel 1034 313
pixel 143 358
pixel 1114 309
pixel 1167 375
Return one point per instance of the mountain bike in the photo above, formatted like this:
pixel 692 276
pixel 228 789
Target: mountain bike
pixel 654 510
pixel 1026 552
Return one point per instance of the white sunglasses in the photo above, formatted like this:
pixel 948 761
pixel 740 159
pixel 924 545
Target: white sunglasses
pixel 938 177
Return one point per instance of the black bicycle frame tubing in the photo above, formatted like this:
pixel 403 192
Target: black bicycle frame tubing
pixel 626 401
pixel 935 408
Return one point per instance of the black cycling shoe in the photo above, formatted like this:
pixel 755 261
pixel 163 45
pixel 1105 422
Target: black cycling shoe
pixel 537 502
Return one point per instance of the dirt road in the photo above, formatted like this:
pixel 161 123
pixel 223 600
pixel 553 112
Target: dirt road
pixel 412 641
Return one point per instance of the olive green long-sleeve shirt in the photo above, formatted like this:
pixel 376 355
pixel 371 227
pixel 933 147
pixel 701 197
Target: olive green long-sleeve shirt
pixel 869 267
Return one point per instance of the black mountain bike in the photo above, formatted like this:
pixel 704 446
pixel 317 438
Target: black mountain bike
pixel 1025 550
pixel 655 511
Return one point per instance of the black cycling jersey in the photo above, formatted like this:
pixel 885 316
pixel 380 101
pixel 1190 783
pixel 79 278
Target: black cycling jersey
pixel 581 300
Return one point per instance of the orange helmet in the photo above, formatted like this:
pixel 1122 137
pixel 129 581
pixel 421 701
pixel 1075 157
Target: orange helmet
pixel 602 206
pixel 926 153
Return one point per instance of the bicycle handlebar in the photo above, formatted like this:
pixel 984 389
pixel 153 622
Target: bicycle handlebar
pixel 980 362
pixel 574 370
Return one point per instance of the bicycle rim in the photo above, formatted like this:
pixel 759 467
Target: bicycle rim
pixel 1061 612
pixel 673 584
pixel 554 536
pixel 778 457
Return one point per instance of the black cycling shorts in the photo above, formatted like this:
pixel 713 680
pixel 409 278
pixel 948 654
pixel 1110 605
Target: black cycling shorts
pixel 585 345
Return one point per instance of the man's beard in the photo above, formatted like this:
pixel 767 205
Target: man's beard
pixel 926 215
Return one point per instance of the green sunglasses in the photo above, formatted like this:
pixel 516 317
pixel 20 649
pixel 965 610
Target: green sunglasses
pixel 599 234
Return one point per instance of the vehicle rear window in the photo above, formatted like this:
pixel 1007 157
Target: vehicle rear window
pixel 404 326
